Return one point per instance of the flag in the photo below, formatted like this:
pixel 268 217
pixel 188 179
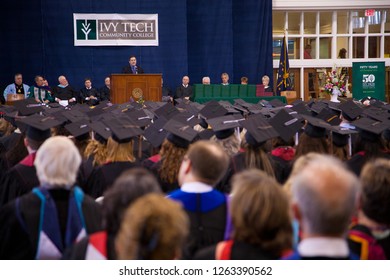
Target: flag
pixel 284 82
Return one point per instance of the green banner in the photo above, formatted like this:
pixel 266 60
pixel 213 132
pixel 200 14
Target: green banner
pixel 368 79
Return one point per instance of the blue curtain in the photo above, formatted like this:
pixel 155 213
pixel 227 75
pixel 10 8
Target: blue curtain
pixel 196 37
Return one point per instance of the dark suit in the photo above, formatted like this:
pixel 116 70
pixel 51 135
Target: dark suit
pixel 127 70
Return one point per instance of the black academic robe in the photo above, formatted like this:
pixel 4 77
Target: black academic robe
pixel 85 93
pixel 19 242
pixel 239 251
pixel 357 161
pixel 208 214
pixel 182 92
pixel 104 176
pixel 104 93
pixel 18 180
pixel 65 93
pixel 127 70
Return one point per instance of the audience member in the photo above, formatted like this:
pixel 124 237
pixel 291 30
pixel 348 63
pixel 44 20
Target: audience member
pixel 261 228
pixel 369 238
pixel 130 186
pixel 153 228
pixel 324 198
pixel 44 222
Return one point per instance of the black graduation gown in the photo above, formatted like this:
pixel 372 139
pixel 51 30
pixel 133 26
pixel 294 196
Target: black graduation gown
pixel 182 92
pixel 127 70
pixel 239 251
pixel 104 93
pixel 18 180
pixel 208 214
pixel 356 163
pixel 104 176
pixel 84 93
pixel 166 186
pixel 65 93
pixel 16 242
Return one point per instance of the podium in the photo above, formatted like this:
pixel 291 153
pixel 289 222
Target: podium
pixel 12 97
pixel 126 86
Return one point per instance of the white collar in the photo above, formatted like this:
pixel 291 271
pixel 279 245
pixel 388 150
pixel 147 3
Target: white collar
pixel 196 187
pixel 323 246
pixel 185 85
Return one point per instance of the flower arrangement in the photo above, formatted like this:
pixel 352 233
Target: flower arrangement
pixel 335 82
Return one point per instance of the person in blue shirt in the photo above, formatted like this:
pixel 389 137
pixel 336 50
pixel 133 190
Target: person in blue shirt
pixel 17 87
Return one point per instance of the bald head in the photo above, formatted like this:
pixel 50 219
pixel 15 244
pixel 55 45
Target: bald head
pixel 206 161
pixel 325 196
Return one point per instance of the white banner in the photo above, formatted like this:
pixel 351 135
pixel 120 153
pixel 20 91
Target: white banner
pixel 115 29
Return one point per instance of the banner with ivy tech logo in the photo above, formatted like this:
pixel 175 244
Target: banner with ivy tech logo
pixel 115 29
pixel 368 79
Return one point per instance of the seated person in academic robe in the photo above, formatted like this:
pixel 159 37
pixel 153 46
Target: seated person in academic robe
pixel 166 93
pixel 40 92
pixel 120 156
pixel 153 228
pixel 17 87
pixel 265 81
pixel 89 94
pixel 202 167
pixel 22 178
pixel 369 238
pixel 64 92
pixel 44 222
pixel 104 92
pixel 262 228
pixel 184 90
pixel 130 186
pixel 324 198
pixel 132 68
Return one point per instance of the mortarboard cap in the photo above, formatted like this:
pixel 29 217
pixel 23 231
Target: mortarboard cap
pixel 258 131
pixel 350 110
pixel 102 131
pixel 224 126
pixel 276 103
pixel 228 106
pixel 329 117
pixel 286 124
pixel 318 106
pixel 38 127
pixel 187 118
pixel 242 103
pixel 340 135
pixel 155 133
pixel 28 107
pixel 79 130
pixel 167 111
pixel 212 110
pixel 370 129
pixel 139 117
pixel 123 129
pixel 376 114
pixel 301 108
pixel 75 115
pixel 315 128
pixel 206 134
pixel 180 135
